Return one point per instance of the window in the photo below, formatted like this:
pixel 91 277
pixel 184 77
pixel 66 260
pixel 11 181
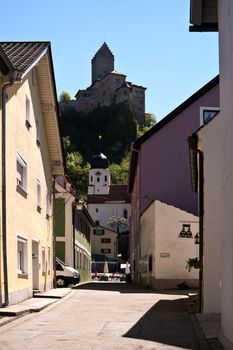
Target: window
pixel 105 240
pixel 28 111
pixel 97 222
pixel 98 232
pixel 48 204
pixel 38 132
pixel 106 251
pixel 91 178
pixel 96 210
pixel 125 213
pixel 49 259
pixel 105 178
pixel 150 262
pixel 38 193
pixel 21 172
pixel 98 179
pixel 207 113
pixel 22 255
pixel 43 261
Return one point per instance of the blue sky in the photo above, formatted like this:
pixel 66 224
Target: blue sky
pixel 149 39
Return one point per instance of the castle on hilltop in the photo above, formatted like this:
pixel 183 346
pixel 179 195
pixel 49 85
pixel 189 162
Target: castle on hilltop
pixel 110 87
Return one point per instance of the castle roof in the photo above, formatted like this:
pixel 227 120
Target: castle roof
pixel 104 51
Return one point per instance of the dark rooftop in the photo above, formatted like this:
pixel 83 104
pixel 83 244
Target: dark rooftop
pixel 22 55
pixel 117 193
pixel 99 161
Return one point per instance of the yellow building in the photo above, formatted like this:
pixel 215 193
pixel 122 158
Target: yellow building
pixel 104 243
pixel 31 156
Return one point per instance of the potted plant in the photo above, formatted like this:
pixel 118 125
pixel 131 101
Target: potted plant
pixel 193 263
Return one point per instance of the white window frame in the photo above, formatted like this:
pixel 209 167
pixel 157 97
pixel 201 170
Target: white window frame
pixel 38 193
pixel 21 178
pixel 202 109
pixel 22 259
pixel 43 260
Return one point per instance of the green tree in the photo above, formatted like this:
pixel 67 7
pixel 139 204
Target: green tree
pixel 78 170
pixel 64 97
pixel 120 172
pixel 150 121
pixel 66 144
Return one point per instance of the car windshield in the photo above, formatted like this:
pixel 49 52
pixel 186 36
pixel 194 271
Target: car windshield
pixel 61 262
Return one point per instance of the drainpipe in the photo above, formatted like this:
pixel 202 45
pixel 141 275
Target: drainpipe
pixel 201 219
pixel 193 145
pixel 54 234
pixel 15 77
pixel 73 222
pixel 4 236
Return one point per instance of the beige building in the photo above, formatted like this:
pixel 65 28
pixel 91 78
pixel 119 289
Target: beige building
pixel 32 155
pixel 164 252
pixel 214 15
pixel 73 228
pixel 205 145
pixel 104 243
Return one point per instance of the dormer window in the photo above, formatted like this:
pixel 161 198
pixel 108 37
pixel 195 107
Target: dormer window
pixel 207 113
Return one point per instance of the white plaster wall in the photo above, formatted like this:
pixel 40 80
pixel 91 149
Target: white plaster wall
pixel 107 210
pixel 101 187
pixel 226 165
pixel 209 143
pixel 160 227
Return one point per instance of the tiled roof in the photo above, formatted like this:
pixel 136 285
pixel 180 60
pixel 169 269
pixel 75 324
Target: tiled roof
pixel 22 55
pixel 117 193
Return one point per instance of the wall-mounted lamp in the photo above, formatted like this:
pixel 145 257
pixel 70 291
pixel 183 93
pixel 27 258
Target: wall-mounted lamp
pixel 197 238
pixel 185 231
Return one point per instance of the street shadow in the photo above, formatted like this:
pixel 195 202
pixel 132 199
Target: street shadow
pixel 122 287
pixel 167 322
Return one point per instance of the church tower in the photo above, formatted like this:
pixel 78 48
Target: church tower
pixel 99 175
pixel 102 62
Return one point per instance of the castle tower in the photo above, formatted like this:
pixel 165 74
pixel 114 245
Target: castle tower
pixel 102 62
pixel 99 175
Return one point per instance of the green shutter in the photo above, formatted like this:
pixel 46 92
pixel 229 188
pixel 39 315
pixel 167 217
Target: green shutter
pixel 60 250
pixel 59 212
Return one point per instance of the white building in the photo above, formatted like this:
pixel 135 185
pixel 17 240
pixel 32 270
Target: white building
pixel 106 201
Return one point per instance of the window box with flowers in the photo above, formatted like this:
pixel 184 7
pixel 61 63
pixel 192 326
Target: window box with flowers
pixel 193 263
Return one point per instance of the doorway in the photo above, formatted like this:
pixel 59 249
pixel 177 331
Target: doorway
pixel 35 265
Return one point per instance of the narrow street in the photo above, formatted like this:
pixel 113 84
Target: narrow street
pixel 106 316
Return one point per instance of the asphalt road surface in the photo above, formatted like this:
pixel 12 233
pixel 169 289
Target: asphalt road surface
pixel 106 316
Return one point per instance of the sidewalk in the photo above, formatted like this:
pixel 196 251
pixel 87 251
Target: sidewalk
pixel 39 302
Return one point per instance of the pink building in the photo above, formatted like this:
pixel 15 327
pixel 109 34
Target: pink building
pixel 160 169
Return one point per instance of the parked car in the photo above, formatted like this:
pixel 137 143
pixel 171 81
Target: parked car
pixel 65 274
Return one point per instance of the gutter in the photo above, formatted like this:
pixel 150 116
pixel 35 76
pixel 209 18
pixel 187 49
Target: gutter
pixel 199 174
pixel 15 76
